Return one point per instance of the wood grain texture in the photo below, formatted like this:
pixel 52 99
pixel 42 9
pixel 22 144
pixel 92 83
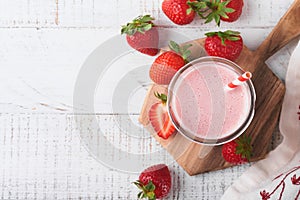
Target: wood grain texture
pixel 269 92
pixel 287 28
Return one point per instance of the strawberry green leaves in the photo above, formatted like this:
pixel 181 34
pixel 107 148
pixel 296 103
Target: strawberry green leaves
pixel 244 147
pixel 161 97
pixel 140 24
pixel 228 44
pixel 237 151
pixel 217 10
pixel 141 35
pixel 226 35
pixel 183 51
pixel 147 190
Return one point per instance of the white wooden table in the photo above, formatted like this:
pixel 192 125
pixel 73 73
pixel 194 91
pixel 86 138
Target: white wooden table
pixel 43 45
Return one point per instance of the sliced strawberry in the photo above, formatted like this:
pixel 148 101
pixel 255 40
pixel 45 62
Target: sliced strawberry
pixel 160 119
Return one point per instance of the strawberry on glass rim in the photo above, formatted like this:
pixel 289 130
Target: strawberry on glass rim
pixel 168 63
pixel 217 10
pixel 160 119
pixel 142 35
pixel 227 44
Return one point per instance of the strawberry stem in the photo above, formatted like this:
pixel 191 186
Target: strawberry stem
pixel 161 97
pixel 147 190
pixel 244 147
pixel 183 51
pixel 226 35
pixel 210 9
pixel 139 24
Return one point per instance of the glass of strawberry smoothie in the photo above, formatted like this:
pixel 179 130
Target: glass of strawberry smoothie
pixel 203 109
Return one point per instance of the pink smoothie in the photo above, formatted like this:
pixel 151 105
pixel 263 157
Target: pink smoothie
pixel 204 107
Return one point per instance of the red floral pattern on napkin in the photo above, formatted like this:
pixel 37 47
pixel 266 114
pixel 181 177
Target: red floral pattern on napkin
pixel 299 112
pixel 294 179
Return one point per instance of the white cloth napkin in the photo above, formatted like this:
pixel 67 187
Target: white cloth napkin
pixel 284 158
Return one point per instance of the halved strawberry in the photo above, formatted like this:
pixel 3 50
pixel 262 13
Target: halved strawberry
pixel 159 118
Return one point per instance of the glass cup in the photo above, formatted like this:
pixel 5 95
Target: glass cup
pixel 203 109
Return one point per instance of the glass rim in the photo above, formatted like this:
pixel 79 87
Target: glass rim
pixel 229 137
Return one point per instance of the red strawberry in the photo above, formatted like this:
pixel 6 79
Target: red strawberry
pixel 165 66
pixel 155 182
pixel 160 119
pixel 237 6
pixel 228 44
pixel 237 151
pixel 178 11
pixel 225 10
pixel 142 35
pixel 168 63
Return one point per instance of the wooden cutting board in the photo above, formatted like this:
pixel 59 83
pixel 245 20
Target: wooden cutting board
pixel 195 158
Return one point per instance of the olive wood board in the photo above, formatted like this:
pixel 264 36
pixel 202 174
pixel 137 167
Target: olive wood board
pixel 195 158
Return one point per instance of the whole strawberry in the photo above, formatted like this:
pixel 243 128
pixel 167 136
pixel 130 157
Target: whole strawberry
pixel 159 118
pixel 168 63
pixel 237 6
pixel 178 11
pixel 237 151
pixel 142 35
pixel 225 10
pixel 155 182
pixel 228 44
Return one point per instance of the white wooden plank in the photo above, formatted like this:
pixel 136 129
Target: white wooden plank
pixel 42 158
pixel 95 14
pixel 39 67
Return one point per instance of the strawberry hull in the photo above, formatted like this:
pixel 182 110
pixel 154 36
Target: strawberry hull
pixel 228 44
pixel 237 5
pixel 142 35
pixel 160 177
